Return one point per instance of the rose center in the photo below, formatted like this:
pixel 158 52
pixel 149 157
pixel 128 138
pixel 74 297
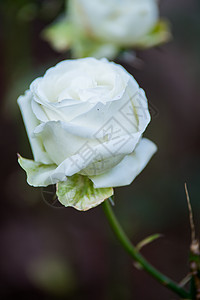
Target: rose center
pixel 85 88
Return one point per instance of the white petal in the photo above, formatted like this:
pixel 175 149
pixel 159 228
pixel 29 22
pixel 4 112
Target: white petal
pixel 31 123
pixel 76 148
pixel 61 140
pixel 126 171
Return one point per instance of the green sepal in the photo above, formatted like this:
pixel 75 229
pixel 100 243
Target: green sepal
pixel 38 174
pixel 60 35
pixel 160 34
pixel 78 191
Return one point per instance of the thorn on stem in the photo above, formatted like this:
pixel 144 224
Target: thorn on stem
pixel 192 226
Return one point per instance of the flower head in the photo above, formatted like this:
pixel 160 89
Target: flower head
pixel 102 28
pixel 85 119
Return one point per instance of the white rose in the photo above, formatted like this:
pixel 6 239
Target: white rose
pixel 119 22
pixel 103 28
pixel 86 117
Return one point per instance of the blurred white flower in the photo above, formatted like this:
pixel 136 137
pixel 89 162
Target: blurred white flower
pixel 115 21
pixel 102 28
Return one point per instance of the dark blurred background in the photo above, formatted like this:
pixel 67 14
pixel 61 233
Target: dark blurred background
pixel 58 253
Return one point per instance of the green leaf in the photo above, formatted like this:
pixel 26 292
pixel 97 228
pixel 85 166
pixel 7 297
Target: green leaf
pixel 148 240
pixel 160 34
pixel 79 192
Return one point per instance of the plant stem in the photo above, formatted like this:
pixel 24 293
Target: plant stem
pixel 126 243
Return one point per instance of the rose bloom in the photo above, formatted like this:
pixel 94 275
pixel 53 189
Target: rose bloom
pixel 86 117
pixel 105 28
pixel 119 22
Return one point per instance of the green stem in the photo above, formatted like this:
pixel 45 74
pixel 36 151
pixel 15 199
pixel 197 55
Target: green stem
pixel 125 242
